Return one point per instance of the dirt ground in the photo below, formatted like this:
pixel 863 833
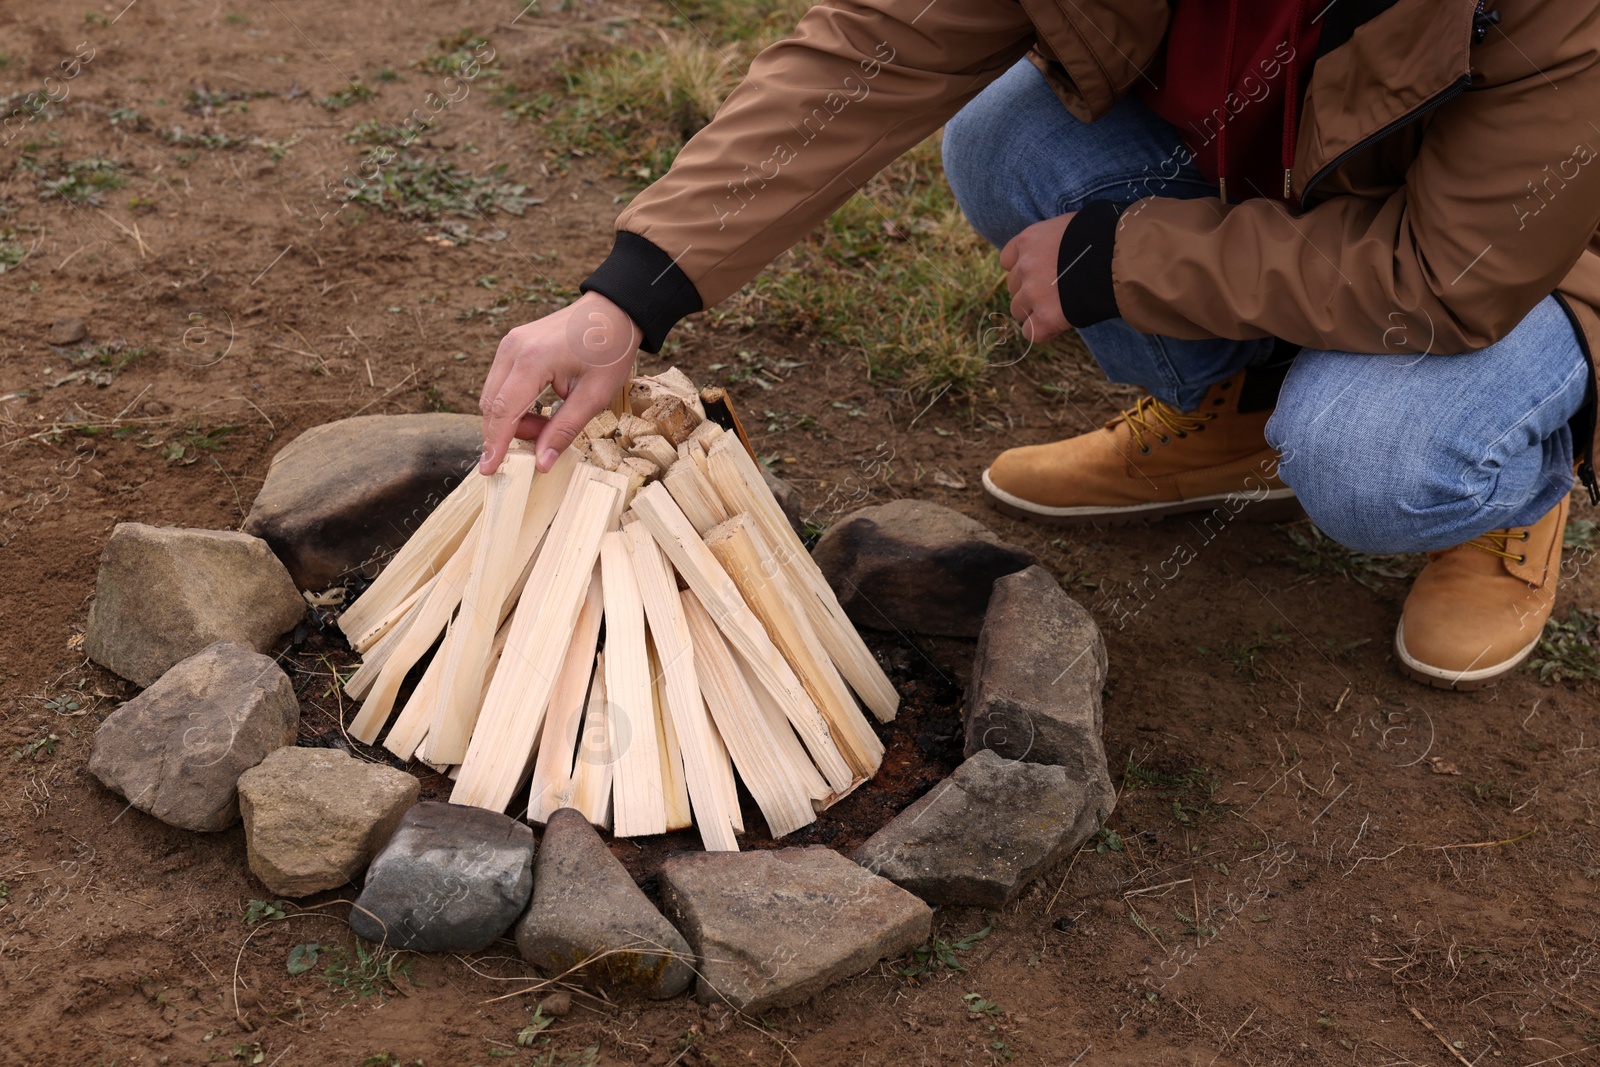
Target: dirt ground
pixel 1312 861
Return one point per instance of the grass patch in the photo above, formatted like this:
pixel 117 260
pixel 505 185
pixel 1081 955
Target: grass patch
pixel 1569 651
pixel 12 251
pixel 369 974
pixel 1319 556
pixel 939 954
pixel 464 53
pixel 203 101
pixel 899 277
pixel 211 142
pixel 354 93
pixel 77 181
pixel 426 189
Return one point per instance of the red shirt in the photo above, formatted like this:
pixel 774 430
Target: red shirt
pixel 1232 82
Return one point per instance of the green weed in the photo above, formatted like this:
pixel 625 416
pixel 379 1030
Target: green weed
pixel 77 181
pixel 31 750
pixel 425 189
pixel 463 53
pixel 260 911
pixel 1569 650
pixel 369 974
pixel 1320 556
pixel 188 447
pixel 939 954
pixel 354 93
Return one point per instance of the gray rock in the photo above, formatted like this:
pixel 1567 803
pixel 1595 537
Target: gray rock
pixel 177 750
pixel 69 331
pixel 314 817
pixel 775 928
pixel 165 593
pixel 341 497
pixel 788 498
pixel 1037 674
pixel 981 836
pixel 451 879
pixel 585 904
pixel 915 566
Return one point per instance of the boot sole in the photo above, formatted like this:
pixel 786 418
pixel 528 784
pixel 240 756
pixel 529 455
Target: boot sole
pixel 1279 505
pixel 1461 681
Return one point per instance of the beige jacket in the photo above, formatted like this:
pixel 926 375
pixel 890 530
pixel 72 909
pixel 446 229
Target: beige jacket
pixel 1444 185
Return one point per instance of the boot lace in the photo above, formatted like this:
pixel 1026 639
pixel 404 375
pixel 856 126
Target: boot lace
pixel 1162 421
pixel 1498 543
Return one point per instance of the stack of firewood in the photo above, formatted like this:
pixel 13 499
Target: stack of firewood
pixel 622 636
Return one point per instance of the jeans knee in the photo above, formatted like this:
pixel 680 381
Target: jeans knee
pixel 972 142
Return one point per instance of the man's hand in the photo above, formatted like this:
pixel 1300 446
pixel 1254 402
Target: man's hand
pixel 585 351
pixel 1029 260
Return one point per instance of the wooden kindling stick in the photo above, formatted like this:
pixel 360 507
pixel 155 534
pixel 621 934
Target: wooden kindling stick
pixel 773 776
pixel 590 788
pixel 637 805
pixel 738 481
pixel 738 547
pixel 718 594
pixel 669 631
pixel 520 692
pixel 437 539
pixel 552 770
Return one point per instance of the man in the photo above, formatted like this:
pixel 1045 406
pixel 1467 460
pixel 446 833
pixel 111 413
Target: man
pixel 1348 247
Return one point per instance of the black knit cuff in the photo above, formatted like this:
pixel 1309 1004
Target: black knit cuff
pixel 1083 266
pixel 643 280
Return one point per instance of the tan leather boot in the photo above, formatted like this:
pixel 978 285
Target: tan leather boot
pixel 1477 610
pixel 1151 460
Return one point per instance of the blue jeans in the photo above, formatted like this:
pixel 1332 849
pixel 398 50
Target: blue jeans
pixel 1387 453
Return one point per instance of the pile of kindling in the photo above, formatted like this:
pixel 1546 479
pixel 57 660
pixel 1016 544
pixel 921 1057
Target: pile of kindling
pixel 623 636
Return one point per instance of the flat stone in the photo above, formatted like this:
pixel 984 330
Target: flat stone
pixel 915 566
pixel 314 817
pixel 788 498
pixel 69 331
pixel 586 905
pixel 777 927
pixel 1037 675
pixel 176 751
pixel 451 879
pixel 165 593
pixel 983 834
pixel 342 497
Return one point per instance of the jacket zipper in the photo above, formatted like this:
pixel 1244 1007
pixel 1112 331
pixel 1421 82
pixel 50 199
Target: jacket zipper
pixel 1444 96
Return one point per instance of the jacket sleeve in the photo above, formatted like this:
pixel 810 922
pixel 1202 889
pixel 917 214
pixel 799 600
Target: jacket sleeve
pixel 1496 208
pixel 859 83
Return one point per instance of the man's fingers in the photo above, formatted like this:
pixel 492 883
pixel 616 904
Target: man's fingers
pixel 503 411
pixel 562 428
pixel 1008 254
pixel 530 426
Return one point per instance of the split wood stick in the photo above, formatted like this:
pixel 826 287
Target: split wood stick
pixel 718 594
pixel 673 418
pixel 630 428
pixel 364 642
pixel 675 787
pixel 589 789
pixel 495 567
pixel 410 728
pixel 602 425
pixel 358 684
pixel 705 434
pixel 738 547
pixel 723 765
pixel 669 632
pixel 423 699
pixel 416 718
pixel 645 391
pixel 638 806
pixel 699 457
pixel 436 540
pixel 606 453
pixel 693 491
pixel 738 481
pixel 787 746
pixel 655 448
pixel 520 692
pixel 777 778
pixel 552 771
pixel 432 617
